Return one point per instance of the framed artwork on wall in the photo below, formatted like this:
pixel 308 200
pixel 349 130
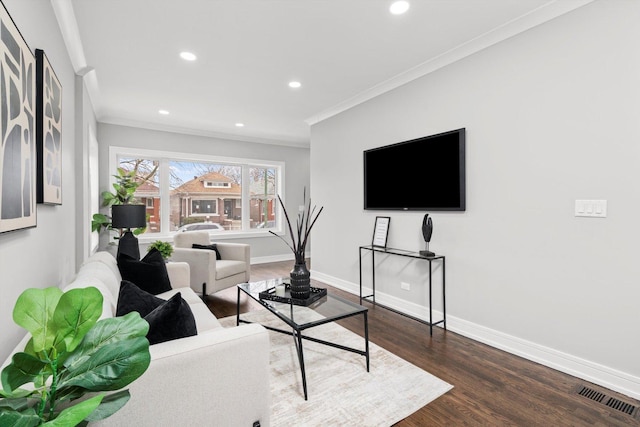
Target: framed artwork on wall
pixel 48 132
pixel 17 128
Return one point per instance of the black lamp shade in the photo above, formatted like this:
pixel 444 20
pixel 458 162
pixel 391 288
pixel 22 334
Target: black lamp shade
pixel 128 216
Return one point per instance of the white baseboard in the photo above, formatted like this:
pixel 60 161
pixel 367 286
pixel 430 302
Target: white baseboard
pixel 272 258
pixel 604 376
pixel 277 258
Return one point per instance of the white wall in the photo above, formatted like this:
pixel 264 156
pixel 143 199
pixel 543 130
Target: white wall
pixel 551 117
pixel 267 248
pixel 45 255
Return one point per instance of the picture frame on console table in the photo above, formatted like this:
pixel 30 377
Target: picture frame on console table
pixel 17 129
pixel 49 132
pixel 381 231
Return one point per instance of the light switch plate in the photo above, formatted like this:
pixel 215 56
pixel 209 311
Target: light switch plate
pixel 591 208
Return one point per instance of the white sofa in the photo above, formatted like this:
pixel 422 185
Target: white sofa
pixel 219 377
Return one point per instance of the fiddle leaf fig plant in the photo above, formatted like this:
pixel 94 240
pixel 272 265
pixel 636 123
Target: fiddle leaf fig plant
pixel 69 355
pixel 124 188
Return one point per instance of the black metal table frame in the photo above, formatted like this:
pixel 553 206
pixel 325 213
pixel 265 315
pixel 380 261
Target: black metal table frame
pixel 296 332
pixel 408 254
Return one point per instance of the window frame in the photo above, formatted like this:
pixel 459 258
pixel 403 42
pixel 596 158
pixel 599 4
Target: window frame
pixel 165 157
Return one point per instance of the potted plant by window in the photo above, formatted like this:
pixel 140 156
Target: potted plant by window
pixel 69 356
pixel 124 189
pixel 300 276
pixel 126 214
pixel 164 248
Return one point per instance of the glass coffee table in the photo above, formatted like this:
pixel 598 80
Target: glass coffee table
pixel 327 309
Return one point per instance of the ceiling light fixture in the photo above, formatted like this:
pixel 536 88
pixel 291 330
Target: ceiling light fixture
pixel 399 7
pixel 188 56
pixel 295 85
pixel 163 112
pixel 239 125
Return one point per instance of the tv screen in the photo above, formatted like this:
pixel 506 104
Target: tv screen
pixel 425 174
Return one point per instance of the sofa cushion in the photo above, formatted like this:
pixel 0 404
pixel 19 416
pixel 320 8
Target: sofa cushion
pixel 188 295
pixel 211 247
pixel 107 259
pixel 104 274
pixel 108 302
pixel 205 321
pixel 226 268
pixel 171 320
pixel 149 273
pixel 132 298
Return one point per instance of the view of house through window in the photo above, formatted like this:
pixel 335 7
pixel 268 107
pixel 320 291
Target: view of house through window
pixel 204 195
pixel 148 191
pixel 263 197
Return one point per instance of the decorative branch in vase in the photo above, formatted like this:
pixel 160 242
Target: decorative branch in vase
pixel 300 276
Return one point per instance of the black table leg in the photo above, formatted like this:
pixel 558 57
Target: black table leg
pixel 366 337
pixel 430 304
pixel 444 302
pixel 238 309
pixel 360 271
pixel 297 338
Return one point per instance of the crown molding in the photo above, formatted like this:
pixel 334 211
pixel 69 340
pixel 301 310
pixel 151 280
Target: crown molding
pixel 66 17
pixel 288 142
pixel 538 16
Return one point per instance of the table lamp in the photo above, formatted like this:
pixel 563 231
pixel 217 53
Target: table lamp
pixel 127 217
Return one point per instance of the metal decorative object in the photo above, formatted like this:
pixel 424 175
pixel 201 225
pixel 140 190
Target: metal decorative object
pixel 427 231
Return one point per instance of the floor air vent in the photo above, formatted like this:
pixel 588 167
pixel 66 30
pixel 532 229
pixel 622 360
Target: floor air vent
pixel 611 402
pixel 621 406
pixel 591 394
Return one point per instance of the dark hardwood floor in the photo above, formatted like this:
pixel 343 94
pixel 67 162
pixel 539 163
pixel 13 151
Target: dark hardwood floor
pixel 491 387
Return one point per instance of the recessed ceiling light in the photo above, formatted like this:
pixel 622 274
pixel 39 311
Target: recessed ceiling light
pixel 295 84
pixel 188 56
pixel 239 125
pixel 163 112
pixel 399 7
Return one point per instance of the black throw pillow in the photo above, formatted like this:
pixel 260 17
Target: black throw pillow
pixel 212 247
pixel 149 274
pixel 132 298
pixel 172 320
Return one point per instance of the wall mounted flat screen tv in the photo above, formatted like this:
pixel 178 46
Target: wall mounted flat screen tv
pixel 423 174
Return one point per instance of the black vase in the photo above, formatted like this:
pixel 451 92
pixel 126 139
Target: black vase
pixel 300 281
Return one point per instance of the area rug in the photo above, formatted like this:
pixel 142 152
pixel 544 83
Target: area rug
pixel 341 391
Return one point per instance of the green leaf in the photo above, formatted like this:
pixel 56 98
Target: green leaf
pixel 14 404
pixel 111 367
pixel 113 347
pixel 70 393
pixel 12 418
pixel 33 310
pixel 73 415
pixel 77 311
pixel 111 404
pixel 107 331
pixel 100 221
pixel 24 368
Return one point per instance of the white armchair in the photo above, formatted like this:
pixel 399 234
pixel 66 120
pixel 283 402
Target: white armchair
pixel 209 275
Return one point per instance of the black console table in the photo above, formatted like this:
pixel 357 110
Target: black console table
pixel 408 254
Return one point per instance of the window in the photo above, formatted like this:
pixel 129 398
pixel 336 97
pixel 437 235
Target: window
pixel 211 184
pixel 225 194
pixel 203 207
pixel 263 182
pixel 148 191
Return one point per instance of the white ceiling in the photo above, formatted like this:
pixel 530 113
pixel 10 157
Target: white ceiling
pixel 342 51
